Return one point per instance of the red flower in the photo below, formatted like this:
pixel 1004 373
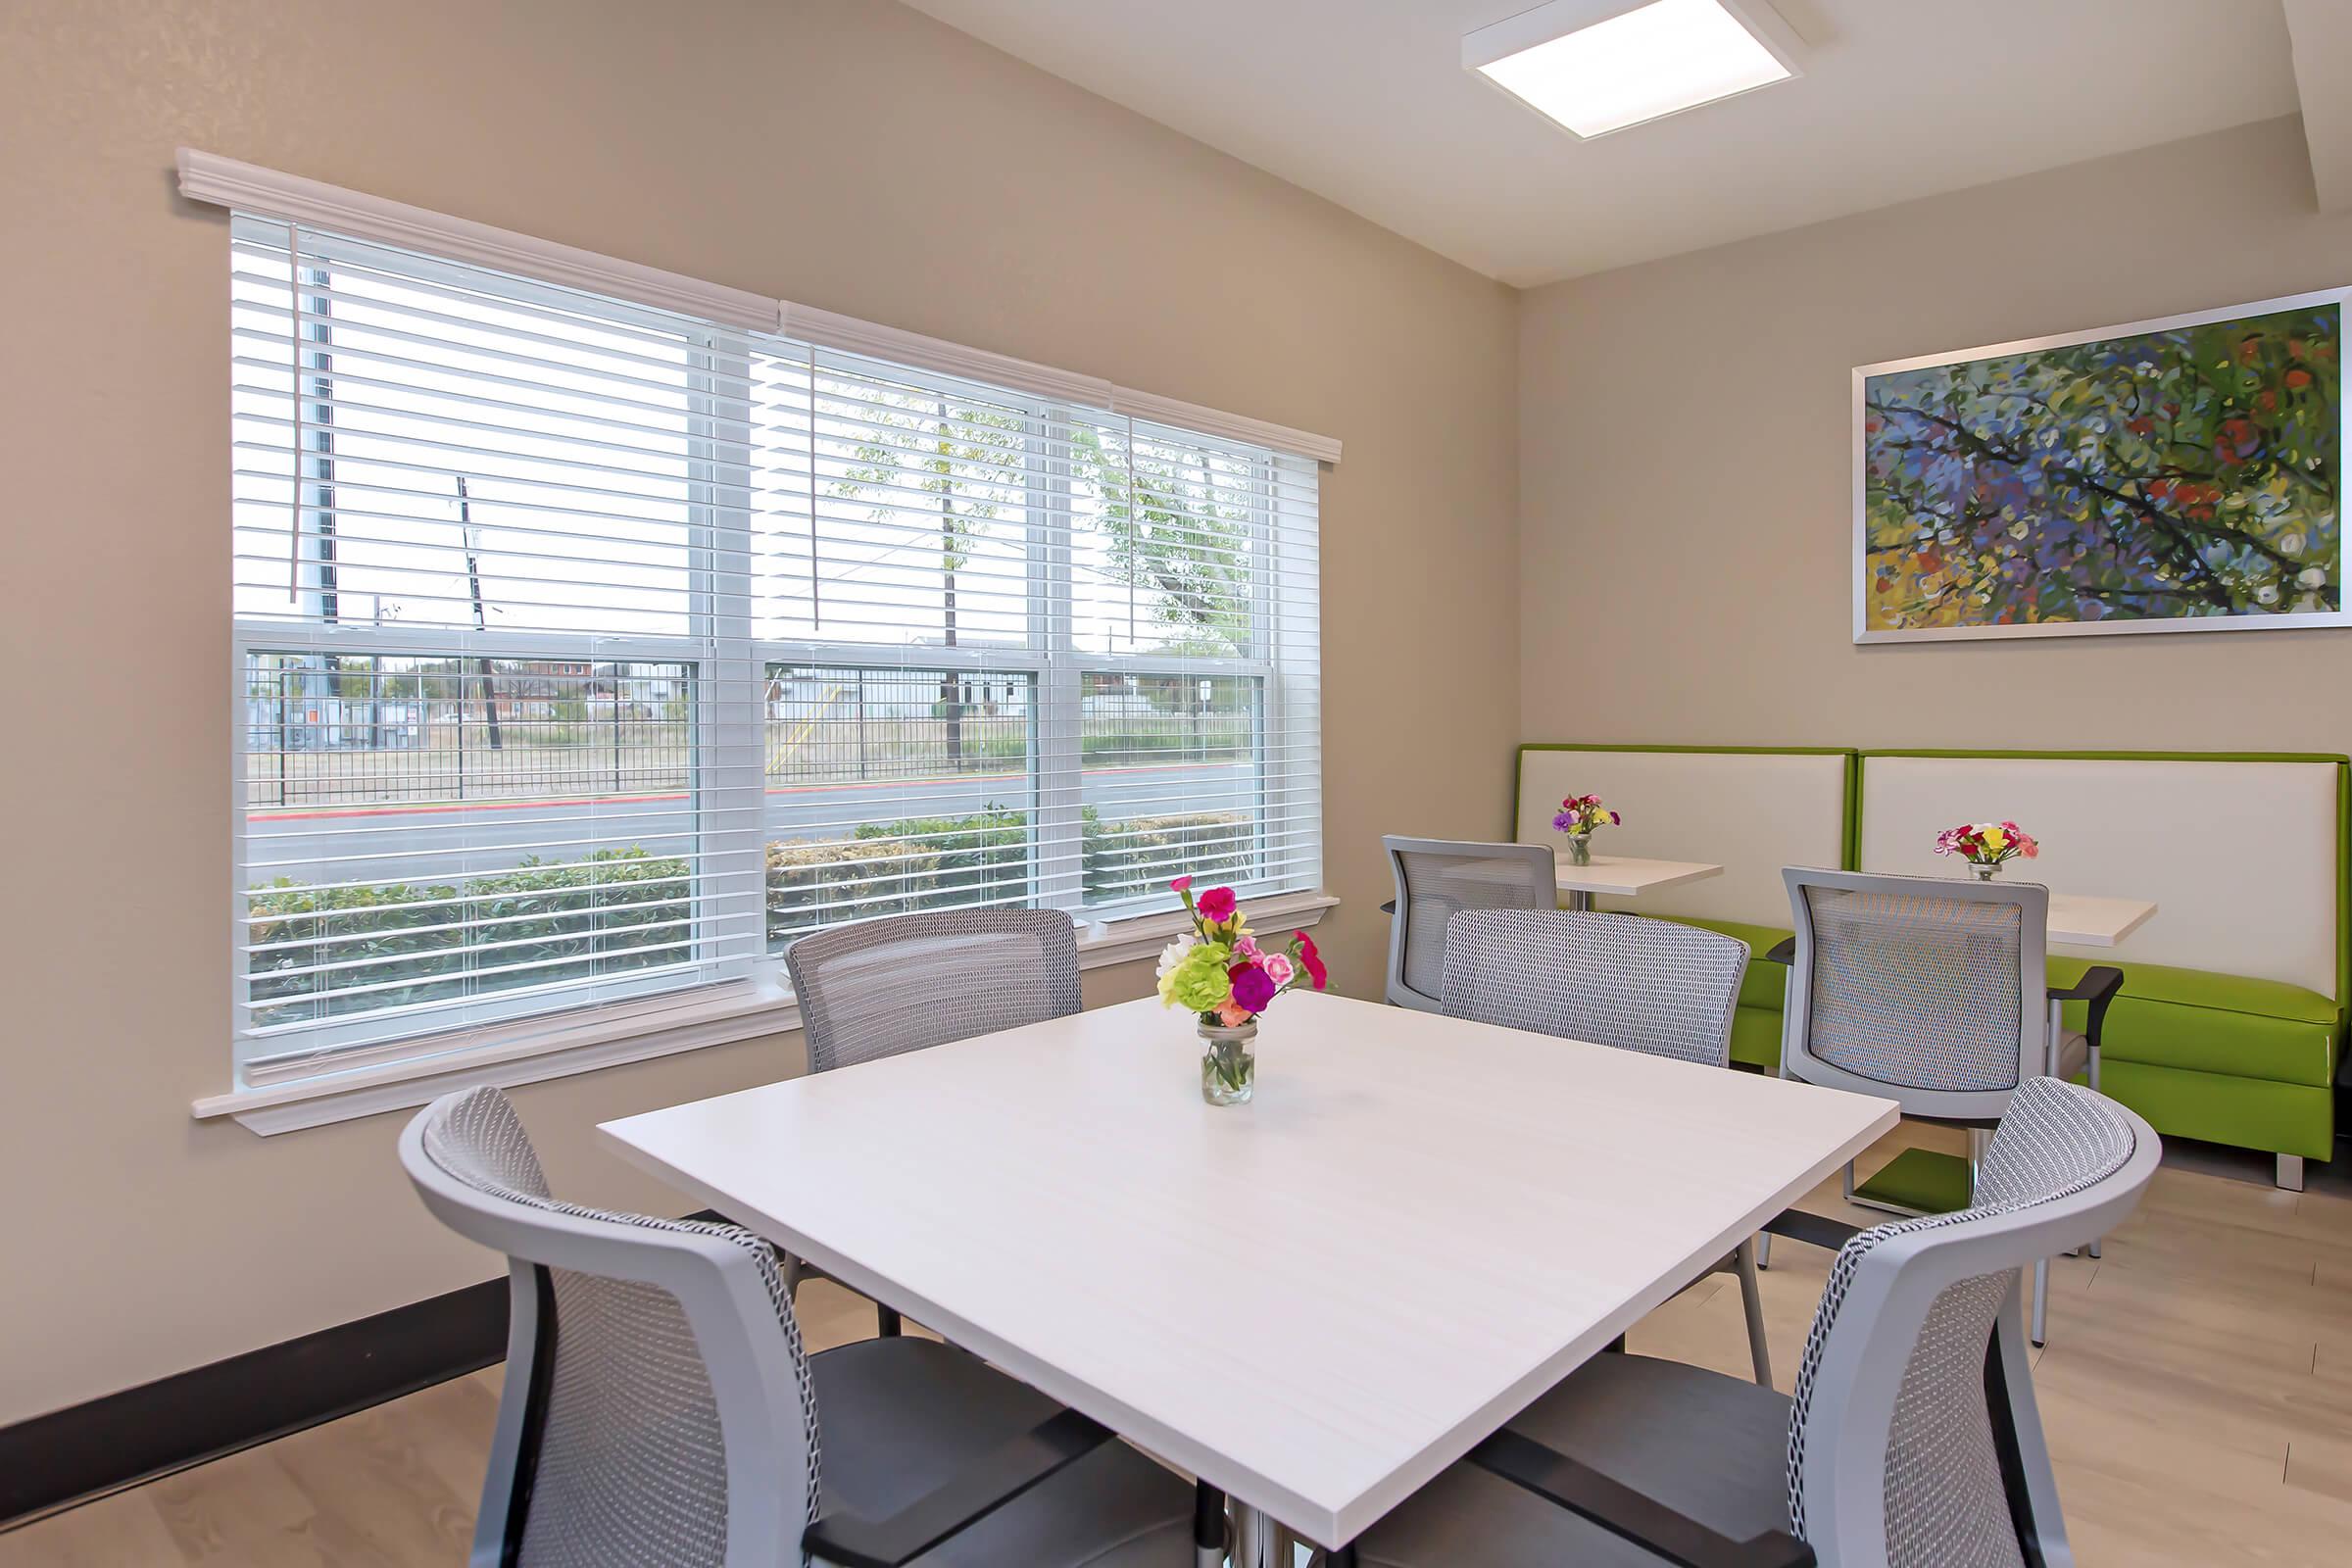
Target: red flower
pixel 1311 961
pixel 1216 905
pixel 2298 379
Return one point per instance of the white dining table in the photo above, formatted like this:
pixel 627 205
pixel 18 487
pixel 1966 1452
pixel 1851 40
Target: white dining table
pixel 1622 876
pixel 2085 920
pixel 1626 876
pixel 1316 1301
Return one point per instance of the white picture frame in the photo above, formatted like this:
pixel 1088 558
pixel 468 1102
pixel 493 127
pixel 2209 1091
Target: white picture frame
pixel 1864 576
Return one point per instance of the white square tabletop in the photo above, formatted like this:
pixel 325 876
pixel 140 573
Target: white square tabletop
pixel 1629 877
pixel 1622 875
pixel 2083 920
pixel 1316 1301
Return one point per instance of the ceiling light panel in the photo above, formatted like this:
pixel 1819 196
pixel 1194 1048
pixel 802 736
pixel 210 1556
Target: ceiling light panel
pixel 1599 66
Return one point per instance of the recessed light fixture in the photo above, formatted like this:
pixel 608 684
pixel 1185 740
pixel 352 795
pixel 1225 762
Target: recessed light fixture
pixel 1597 66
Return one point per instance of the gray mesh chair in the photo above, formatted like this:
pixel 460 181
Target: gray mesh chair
pixel 1913 1440
pixel 1934 992
pixel 883 987
pixel 1620 980
pixel 1436 879
pixel 912 981
pixel 659 1406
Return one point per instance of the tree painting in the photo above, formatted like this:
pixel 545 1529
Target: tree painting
pixel 2187 473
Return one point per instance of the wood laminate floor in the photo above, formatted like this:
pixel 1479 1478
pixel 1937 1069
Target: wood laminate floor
pixel 2196 1389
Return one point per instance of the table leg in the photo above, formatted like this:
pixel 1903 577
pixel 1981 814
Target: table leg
pixel 1580 901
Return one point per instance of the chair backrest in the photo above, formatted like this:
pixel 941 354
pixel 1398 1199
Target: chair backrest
pixel 1436 879
pixel 1930 991
pixel 1620 980
pixel 911 981
pixel 1914 1441
pixel 657 1406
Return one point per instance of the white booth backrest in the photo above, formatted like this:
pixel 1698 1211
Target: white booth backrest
pixel 1750 813
pixel 2239 857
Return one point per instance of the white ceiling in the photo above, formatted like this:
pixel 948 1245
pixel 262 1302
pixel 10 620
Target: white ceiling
pixel 1366 102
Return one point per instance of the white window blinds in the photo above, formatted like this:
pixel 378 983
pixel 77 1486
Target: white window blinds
pixel 589 652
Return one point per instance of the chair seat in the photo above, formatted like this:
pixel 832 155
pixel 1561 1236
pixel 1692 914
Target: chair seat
pixel 902 1416
pixel 1712 1448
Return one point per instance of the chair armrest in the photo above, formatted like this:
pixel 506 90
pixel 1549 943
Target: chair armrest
pixel 1628 1514
pixel 1782 952
pixel 1818 1229
pixel 2098 986
pixel 1389 908
pixel 990 1482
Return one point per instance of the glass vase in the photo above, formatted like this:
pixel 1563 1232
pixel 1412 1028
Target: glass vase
pixel 1985 871
pixel 1228 1064
pixel 1580 849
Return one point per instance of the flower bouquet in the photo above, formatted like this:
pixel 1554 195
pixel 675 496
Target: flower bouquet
pixel 1580 816
pixel 1984 846
pixel 1218 972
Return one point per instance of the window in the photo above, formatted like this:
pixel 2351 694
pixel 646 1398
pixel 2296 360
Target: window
pixel 590 653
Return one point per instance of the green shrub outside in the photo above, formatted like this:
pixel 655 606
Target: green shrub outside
pixel 618 909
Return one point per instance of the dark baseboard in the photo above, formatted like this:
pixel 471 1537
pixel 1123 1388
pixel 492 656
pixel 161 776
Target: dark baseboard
pixel 106 1444
pixel 109 1442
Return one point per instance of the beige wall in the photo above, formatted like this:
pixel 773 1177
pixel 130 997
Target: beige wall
pixel 848 155
pixel 1686 469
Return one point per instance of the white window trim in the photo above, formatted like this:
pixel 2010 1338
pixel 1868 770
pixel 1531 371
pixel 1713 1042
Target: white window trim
pixel 562 1047
pixel 268 193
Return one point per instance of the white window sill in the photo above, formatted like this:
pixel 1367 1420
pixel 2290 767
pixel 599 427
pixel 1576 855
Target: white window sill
pixel 599 1040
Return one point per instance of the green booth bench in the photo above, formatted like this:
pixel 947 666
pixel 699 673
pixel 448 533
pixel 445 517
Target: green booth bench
pixel 2230 1023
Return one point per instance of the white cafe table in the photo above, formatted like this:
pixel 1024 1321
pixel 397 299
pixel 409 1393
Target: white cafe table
pixel 2079 920
pixel 1315 1301
pixel 1626 877
pixel 1618 875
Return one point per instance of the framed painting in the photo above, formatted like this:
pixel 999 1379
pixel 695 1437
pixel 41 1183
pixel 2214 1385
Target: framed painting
pixel 2170 476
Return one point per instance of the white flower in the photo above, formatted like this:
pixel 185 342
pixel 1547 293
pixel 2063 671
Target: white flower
pixel 1173 953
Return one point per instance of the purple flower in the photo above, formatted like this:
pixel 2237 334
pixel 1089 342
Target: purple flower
pixel 1252 987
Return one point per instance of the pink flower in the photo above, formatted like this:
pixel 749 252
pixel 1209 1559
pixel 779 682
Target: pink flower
pixel 1252 987
pixel 1246 948
pixel 1312 960
pixel 1181 884
pixel 1279 970
pixel 1216 904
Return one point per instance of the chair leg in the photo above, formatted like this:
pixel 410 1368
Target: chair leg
pixel 2042 1301
pixel 2093 1248
pixel 2290 1172
pixel 1751 1301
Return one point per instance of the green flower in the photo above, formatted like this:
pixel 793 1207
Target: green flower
pixel 1199 982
